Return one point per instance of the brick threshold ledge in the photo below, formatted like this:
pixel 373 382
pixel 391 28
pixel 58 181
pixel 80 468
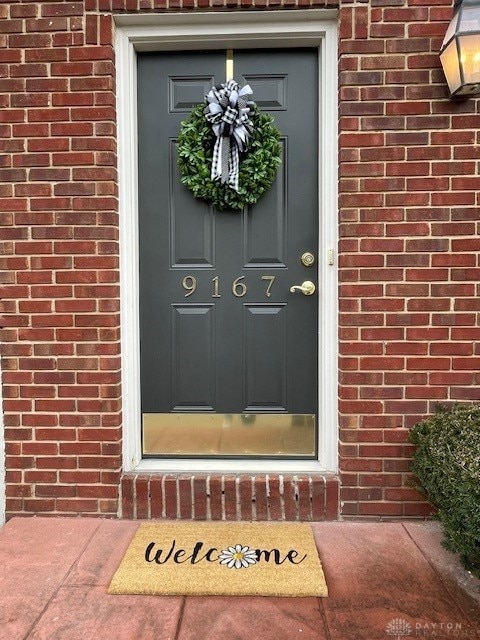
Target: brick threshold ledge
pixel 230 497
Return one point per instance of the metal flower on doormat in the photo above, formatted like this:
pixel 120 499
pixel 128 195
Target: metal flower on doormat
pixel 228 150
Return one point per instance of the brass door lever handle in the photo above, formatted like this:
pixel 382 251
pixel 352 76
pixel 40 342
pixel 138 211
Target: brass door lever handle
pixel 307 288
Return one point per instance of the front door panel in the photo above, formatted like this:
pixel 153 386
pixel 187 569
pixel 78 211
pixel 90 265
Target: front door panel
pixel 228 353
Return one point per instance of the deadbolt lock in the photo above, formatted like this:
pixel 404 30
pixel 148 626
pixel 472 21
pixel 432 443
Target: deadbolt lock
pixel 308 259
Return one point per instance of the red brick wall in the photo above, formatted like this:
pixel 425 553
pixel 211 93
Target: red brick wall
pixel 409 224
pixel 409 267
pixel 60 293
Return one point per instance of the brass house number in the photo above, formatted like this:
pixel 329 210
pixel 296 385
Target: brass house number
pixel 239 287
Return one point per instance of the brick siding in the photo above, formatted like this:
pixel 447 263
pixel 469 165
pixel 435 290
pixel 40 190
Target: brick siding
pixel 60 293
pixel 409 261
pixel 409 255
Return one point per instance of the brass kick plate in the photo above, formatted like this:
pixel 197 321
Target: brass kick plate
pixel 241 434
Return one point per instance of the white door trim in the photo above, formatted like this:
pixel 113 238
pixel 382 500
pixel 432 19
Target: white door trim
pixel 275 29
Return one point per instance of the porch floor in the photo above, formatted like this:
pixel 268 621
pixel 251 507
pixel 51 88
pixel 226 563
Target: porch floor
pixel 381 576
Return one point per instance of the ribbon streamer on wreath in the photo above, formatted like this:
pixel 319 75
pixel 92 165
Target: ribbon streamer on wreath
pixel 228 111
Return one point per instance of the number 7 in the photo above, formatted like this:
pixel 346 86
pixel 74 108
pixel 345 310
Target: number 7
pixel 271 280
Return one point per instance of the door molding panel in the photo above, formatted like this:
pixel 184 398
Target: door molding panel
pixel 273 29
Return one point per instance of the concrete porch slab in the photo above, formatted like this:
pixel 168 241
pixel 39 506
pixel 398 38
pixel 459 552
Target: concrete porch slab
pixel 385 580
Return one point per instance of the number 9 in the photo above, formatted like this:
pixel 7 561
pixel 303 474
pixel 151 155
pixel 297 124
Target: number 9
pixel 189 283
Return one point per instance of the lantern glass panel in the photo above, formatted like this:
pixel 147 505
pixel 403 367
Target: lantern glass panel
pixel 449 60
pixel 469 19
pixel 470 58
pixel 451 29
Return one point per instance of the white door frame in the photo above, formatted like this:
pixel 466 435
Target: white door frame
pixel 209 30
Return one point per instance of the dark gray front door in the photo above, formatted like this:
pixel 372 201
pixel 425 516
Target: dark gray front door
pixel 228 354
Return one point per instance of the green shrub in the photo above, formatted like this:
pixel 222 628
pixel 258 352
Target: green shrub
pixel 447 465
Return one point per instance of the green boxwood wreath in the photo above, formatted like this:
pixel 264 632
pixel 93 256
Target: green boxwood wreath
pixel 258 166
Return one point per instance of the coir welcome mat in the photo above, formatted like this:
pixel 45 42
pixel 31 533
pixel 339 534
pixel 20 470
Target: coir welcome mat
pixel 225 558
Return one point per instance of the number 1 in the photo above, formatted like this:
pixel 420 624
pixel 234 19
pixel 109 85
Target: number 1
pixel 215 287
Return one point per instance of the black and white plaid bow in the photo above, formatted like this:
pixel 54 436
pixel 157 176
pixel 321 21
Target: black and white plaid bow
pixel 228 110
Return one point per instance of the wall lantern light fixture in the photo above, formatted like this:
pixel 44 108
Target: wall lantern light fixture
pixel 460 51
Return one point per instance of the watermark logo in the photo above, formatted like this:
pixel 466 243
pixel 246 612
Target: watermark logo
pixel 399 628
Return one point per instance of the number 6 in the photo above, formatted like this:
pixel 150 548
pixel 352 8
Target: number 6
pixel 239 289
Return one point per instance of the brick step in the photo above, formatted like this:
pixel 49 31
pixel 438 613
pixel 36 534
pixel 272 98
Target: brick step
pixel 229 497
